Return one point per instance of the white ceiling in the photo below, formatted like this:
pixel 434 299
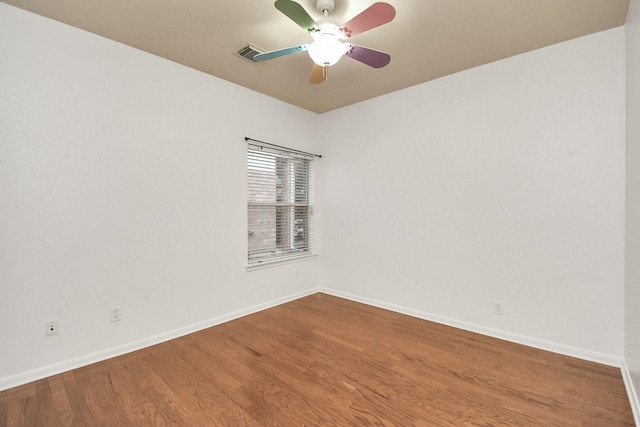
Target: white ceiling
pixel 428 39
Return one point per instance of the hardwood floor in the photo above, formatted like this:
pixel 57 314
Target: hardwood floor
pixel 325 361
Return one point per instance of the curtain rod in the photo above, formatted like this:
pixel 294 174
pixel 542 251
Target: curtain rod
pixel 246 138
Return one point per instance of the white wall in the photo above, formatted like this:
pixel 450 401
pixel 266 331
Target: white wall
pixel 632 299
pixel 122 182
pixel 504 182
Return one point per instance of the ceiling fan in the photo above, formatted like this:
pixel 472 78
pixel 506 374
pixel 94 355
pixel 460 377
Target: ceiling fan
pixel 327 47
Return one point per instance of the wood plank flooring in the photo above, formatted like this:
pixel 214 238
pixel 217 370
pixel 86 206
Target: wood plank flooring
pixel 325 361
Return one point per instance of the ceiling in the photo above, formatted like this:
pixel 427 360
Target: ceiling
pixel 427 39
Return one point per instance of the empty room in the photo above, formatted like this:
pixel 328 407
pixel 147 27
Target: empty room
pixel 320 213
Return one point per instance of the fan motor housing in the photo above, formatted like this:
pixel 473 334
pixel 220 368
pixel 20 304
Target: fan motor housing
pixel 328 5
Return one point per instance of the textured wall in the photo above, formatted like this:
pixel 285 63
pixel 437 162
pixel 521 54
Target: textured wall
pixel 632 311
pixel 501 183
pixel 122 182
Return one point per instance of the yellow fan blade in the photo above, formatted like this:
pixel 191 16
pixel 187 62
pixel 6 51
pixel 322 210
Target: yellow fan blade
pixel 318 74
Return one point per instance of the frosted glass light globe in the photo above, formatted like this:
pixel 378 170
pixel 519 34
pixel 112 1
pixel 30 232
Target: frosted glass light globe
pixel 327 49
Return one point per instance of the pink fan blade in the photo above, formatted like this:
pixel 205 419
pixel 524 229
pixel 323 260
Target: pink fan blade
pixel 372 58
pixel 375 15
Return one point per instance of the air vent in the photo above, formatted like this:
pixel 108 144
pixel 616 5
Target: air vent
pixel 249 51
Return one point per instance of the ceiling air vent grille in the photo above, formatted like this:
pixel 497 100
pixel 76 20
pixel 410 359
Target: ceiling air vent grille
pixel 249 51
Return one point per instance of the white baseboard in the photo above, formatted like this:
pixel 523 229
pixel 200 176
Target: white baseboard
pixel 26 377
pixel 566 350
pixel 631 392
pixel 88 359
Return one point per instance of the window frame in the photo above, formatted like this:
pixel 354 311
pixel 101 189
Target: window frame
pixel 279 205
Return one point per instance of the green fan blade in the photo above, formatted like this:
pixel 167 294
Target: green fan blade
pixel 297 14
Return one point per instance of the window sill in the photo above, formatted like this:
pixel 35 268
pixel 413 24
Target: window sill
pixel 275 262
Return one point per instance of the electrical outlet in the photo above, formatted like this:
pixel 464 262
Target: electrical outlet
pixel 498 308
pixel 51 328
pixel 115 313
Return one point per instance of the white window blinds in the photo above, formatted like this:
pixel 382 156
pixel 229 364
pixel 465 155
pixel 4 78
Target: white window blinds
pixel 279 204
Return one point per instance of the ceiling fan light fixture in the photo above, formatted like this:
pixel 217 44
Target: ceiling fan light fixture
pixel 327 49
pixel 328 36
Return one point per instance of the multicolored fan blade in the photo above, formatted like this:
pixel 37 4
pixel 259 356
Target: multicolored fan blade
pixel 318 74
pixel 375 15
pixel 278 53
pixel 372 58
pixel 297 14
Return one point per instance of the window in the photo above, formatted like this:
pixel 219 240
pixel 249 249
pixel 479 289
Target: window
pixel 279 204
